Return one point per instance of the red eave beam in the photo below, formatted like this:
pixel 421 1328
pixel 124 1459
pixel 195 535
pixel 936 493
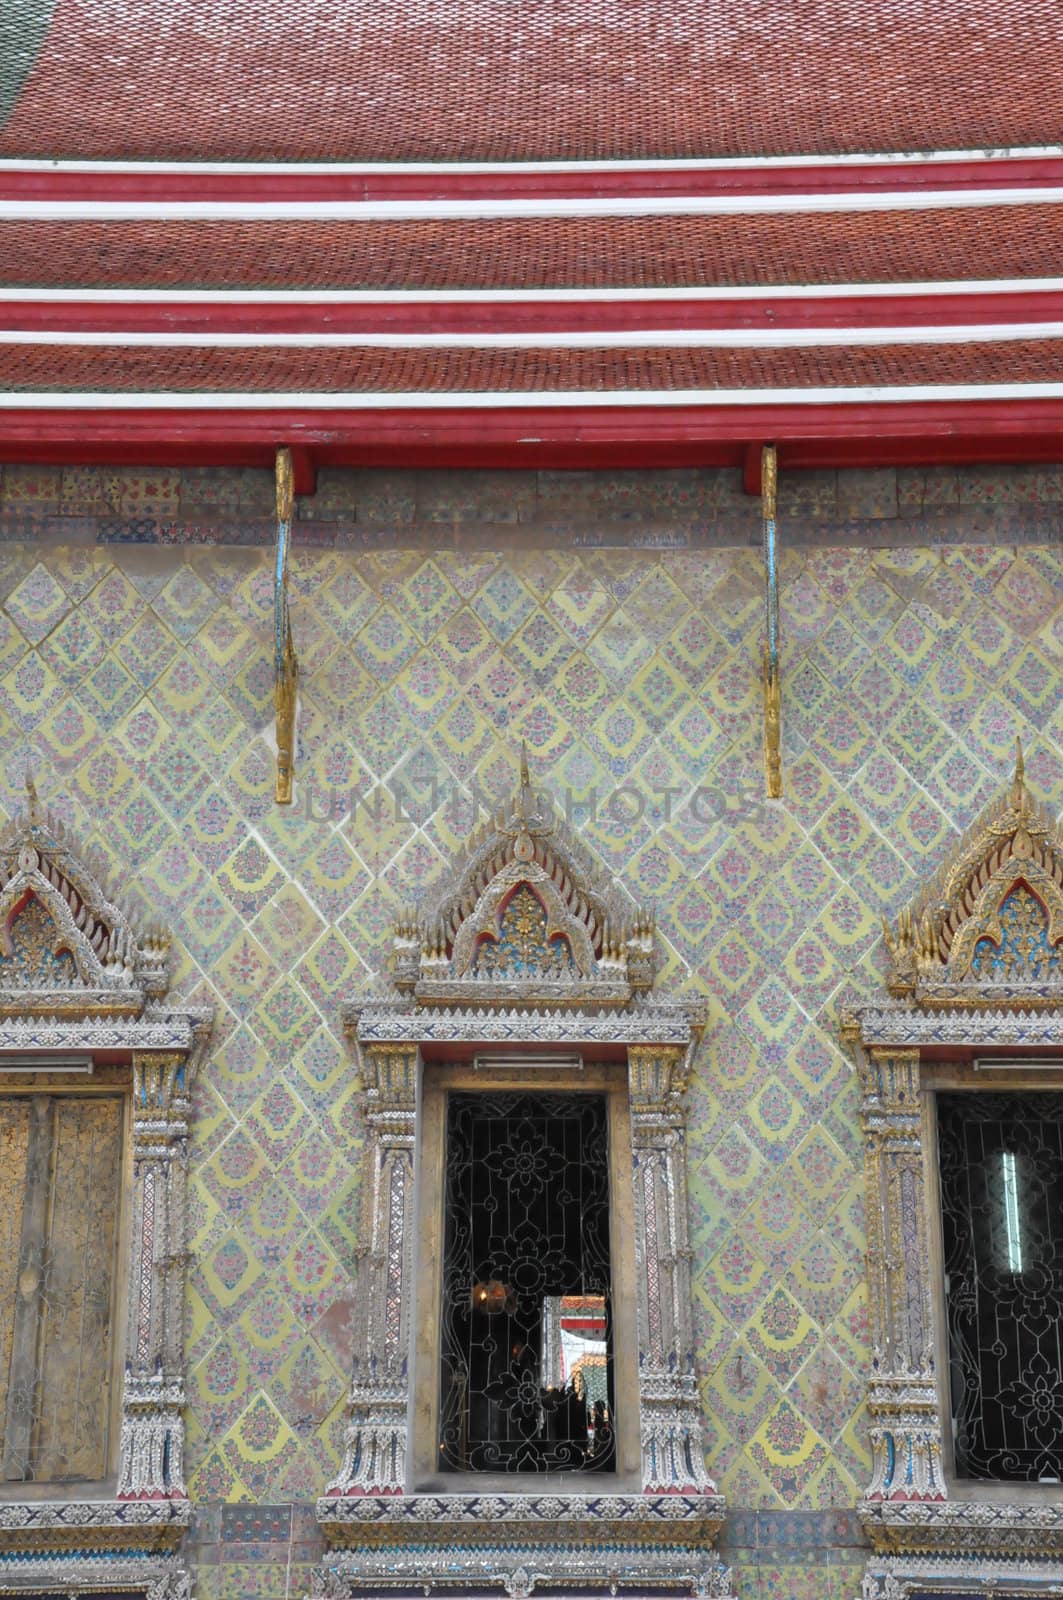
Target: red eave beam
pixel 837 435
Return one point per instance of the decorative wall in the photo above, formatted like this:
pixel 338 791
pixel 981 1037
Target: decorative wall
pixel 138 680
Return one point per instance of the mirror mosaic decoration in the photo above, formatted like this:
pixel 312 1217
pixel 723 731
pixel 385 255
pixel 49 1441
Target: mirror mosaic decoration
pixel 524 949
pixel 966 1363
pixel 83 1006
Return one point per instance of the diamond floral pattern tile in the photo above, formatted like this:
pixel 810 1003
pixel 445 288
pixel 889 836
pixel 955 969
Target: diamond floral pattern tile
pixel 38 604
pixel 142 695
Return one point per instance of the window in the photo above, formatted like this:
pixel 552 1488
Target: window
pixel 526 1337
pixel 962 1077
pixel 524 1344
pixel 525 1349
pixel 96 1070
pixel 1001 1165
pixel 60 1201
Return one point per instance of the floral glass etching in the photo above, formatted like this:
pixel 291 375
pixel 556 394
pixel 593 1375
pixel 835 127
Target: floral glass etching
pixel 527 1382
pixel 1002 1223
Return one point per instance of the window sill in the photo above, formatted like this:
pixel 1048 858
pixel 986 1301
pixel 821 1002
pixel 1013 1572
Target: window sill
pixel 566 1518
pixel 40 1526
pixel 988 1525
pixel 547 1540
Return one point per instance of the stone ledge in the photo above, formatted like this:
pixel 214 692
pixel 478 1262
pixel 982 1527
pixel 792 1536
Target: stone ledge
pixel 90 1526
pixel 521 1545
pixel 966 1527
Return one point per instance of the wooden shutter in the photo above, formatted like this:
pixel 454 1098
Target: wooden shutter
pixel 60 1172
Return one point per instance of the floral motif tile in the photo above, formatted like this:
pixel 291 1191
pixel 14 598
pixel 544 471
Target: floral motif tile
pixel 141 690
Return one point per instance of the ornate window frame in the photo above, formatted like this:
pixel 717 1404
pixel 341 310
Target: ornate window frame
pixel 381 1533
pixel 931 1532
pixel 125 1537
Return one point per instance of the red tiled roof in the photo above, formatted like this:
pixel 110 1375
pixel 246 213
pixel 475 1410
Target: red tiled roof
pixel 106 369
pixel 569 79
pixel 842 247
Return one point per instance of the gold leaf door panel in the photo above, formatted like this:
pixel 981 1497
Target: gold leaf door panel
pixel 59 1207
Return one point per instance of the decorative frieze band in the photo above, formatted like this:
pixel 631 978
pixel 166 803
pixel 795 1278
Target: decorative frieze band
pixel 645 1022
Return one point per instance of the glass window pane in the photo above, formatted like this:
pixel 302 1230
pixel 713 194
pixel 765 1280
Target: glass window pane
pixel 527 1341
pixel 1002 1224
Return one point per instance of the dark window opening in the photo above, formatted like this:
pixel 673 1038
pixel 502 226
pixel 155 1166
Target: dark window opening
pixel 1002 1223
pixel 527 1337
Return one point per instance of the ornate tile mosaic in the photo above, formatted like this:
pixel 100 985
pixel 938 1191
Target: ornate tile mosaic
pixel 142 695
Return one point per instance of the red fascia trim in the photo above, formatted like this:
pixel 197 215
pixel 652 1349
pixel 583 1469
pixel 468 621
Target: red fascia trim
pixel 578 182
pixel 529 316
pixel 920 433
pixel 549 455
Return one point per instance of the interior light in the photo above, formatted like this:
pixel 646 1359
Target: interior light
pixel 26 1061
pixel 1018 1063
pixel 496 1060
pixel 1011 1211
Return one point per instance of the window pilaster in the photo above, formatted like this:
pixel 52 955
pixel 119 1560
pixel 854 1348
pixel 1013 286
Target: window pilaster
pixel 902 1394
pixel 673 1457
pixel 151 1462
pixel 375 1447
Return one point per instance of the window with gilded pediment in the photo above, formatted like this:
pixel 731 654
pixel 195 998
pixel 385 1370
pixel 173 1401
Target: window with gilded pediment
pixel 962 1077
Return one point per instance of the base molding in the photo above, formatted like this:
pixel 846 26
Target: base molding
pixel 962 1547
pixel 520 1545
pixel 79 1547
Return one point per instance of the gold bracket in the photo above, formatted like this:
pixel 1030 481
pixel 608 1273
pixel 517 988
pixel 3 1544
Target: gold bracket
pixel 771 680
pixel 285 665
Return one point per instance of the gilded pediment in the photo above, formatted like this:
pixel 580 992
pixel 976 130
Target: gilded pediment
pixel 524 920
pixel 66 945
pixel 988 929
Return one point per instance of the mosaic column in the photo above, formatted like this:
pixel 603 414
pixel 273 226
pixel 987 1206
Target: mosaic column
pixel 153 1399
pixel 902 1395
pixel 375 1448
pixel 673 1456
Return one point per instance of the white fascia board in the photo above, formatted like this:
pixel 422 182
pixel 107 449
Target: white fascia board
pixel 538 399
pixel 899 158
pixel 473 210
pixel 544 339
pixel 578 295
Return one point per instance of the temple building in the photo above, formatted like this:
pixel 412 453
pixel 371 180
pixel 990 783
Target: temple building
pixel 531 874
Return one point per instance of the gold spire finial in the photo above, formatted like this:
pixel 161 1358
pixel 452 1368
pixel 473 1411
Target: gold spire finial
pixel 33 803
pixel 1019 791
pixel 520 819
pixel 526 801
